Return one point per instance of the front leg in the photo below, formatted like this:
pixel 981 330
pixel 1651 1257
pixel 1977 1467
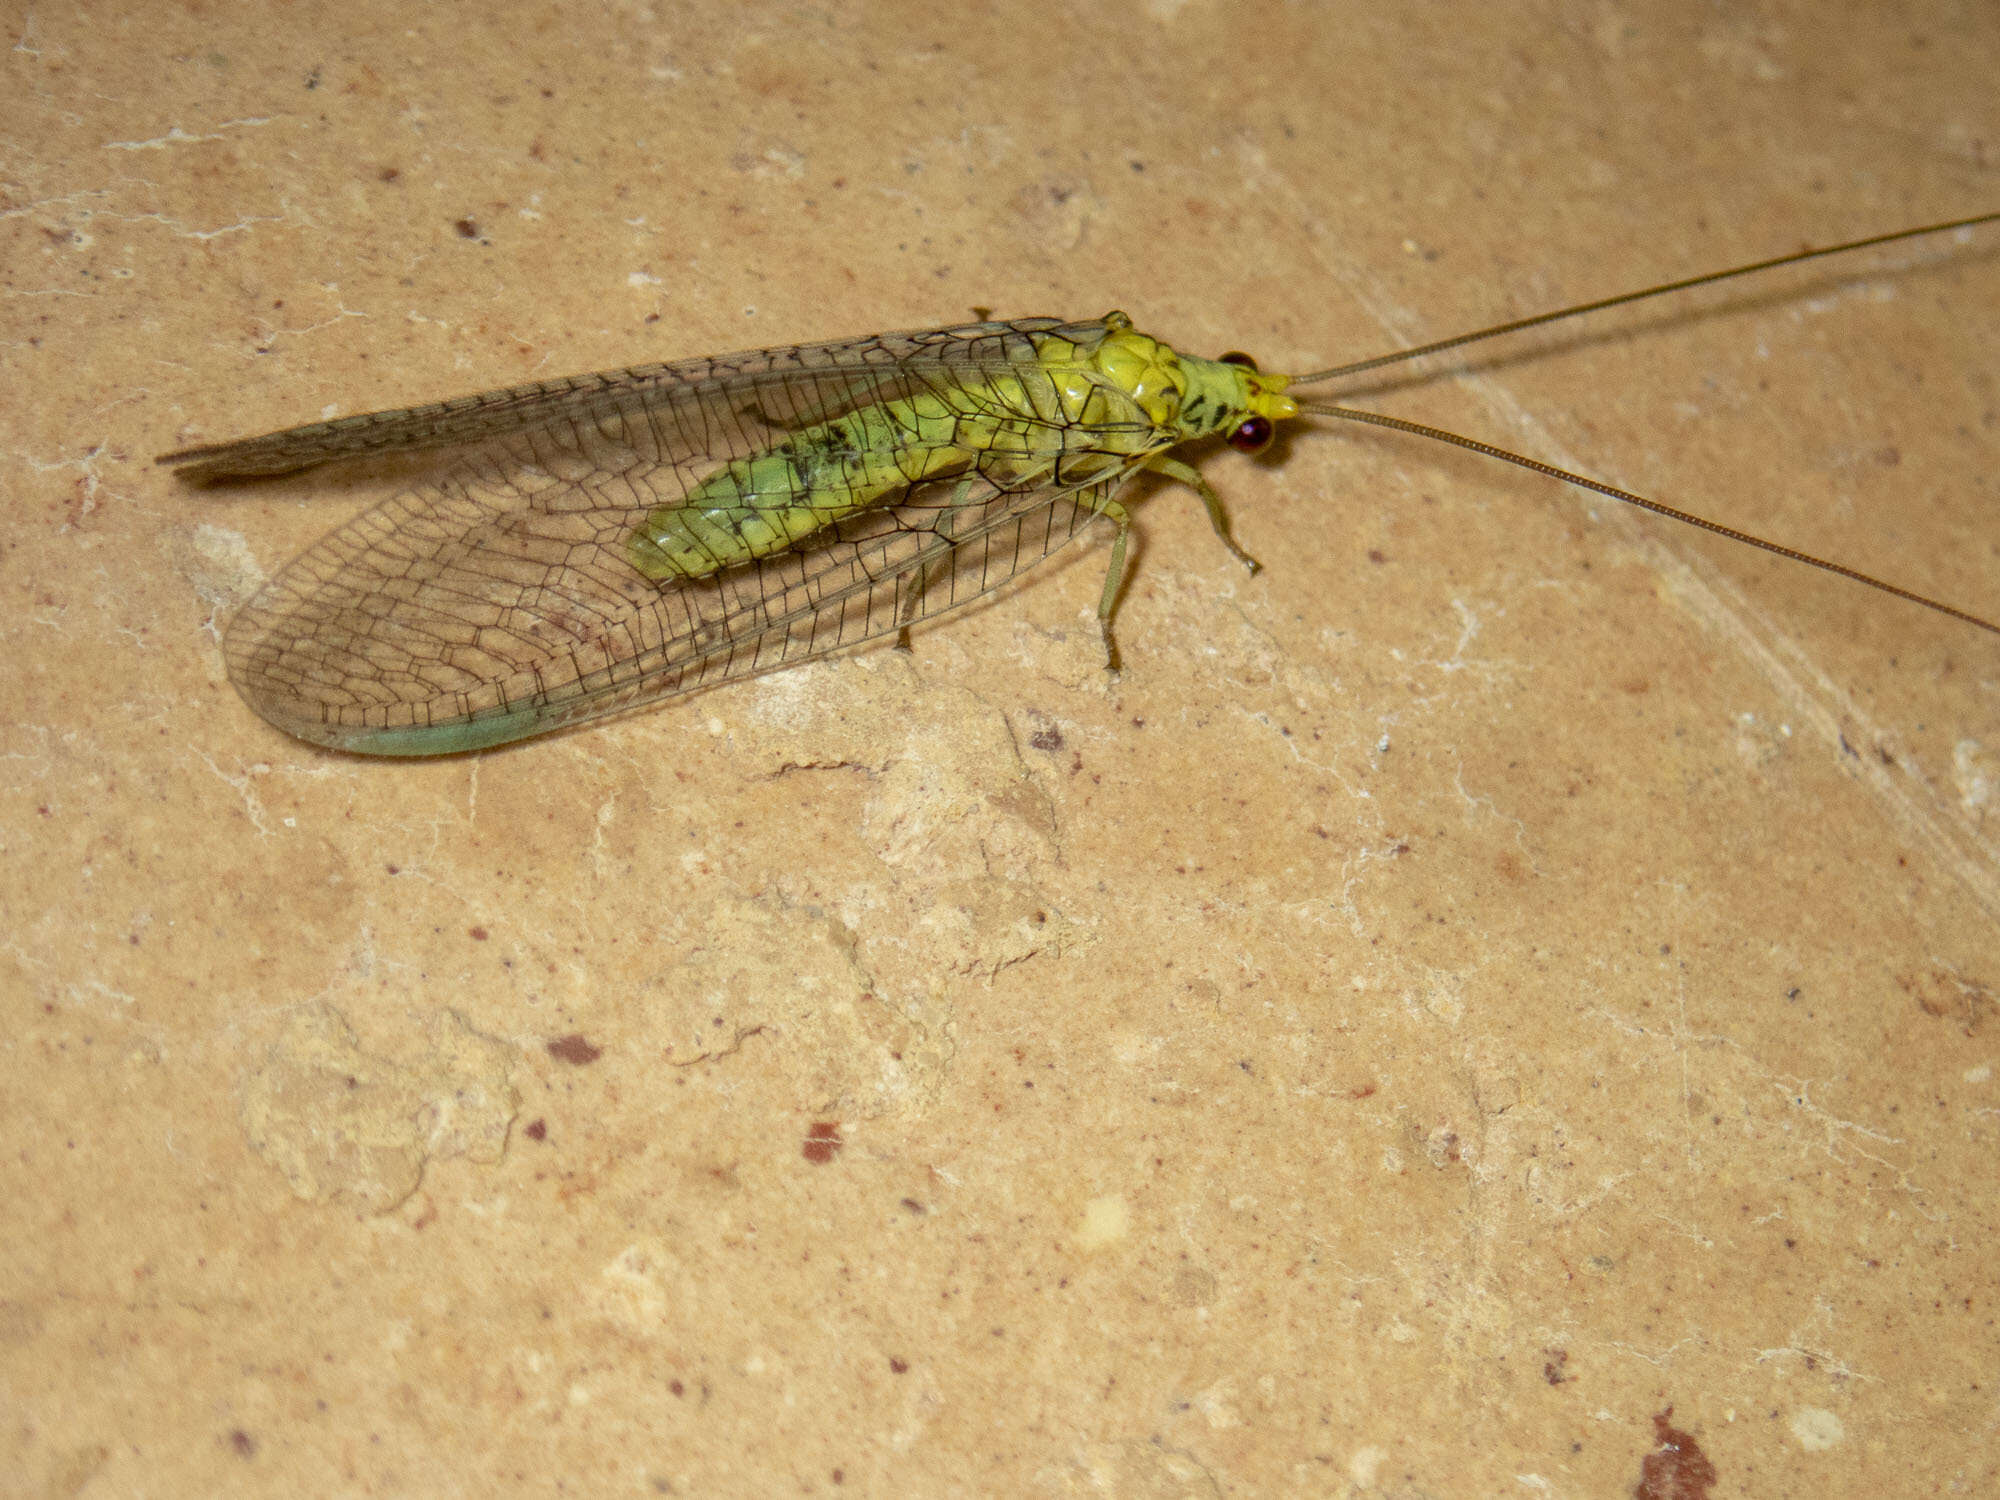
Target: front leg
pixel 1172 468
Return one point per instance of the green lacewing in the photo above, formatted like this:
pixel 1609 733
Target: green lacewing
pixel 594 544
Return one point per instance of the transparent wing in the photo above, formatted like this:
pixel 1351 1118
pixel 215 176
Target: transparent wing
pixel 830 377
pixel 497 602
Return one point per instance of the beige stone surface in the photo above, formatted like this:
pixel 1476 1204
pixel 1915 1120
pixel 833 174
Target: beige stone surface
pixel 1507 971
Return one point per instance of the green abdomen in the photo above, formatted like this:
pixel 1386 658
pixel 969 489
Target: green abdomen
pixel 768 502
pixel 1056 417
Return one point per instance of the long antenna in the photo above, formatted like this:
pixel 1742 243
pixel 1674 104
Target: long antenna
pixel 1539 319
pixel 1473 445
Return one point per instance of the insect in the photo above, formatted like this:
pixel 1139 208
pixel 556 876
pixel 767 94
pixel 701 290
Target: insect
pixel 606 541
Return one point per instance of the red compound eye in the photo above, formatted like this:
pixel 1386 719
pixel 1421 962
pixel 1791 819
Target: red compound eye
pixel 1253 435
pixel 1238 357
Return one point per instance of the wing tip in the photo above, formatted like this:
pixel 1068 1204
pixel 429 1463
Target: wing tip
pixel 218 463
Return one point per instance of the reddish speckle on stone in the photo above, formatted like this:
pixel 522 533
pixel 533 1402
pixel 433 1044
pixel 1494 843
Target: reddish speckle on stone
pixel 676 1387
pixel 477 934
pixel 574 1048
pixel 1677 1469
pixel 899 1366
pixel 537 1130
pixel 244 1444
pixel 1552 1366
pixel 823 1142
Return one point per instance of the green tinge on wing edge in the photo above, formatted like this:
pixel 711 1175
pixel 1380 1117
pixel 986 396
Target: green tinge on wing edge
pixel 481 733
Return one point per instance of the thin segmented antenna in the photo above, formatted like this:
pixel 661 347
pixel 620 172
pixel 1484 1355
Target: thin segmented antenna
pixel 1473 445
pixel 1797 257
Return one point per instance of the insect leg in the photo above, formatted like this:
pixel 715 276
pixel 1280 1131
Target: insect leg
pixel 911 601
pixel 1171 467
pixel 911 595
pixel 1107 505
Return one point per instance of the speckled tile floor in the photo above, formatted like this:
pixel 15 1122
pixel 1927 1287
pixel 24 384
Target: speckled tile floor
pixel 1499 1003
